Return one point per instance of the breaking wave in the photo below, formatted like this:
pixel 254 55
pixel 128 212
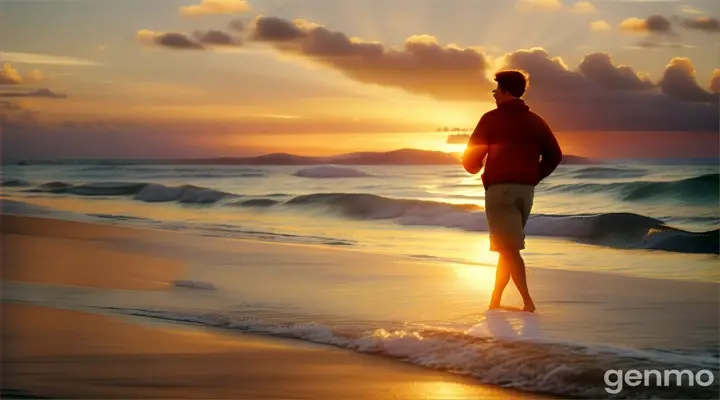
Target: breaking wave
pixel 621 230
pixel 527 363
pixel 147 192
pixel 183 194
pixel 331 171
pixel 256 203
pixel 700 189
pixel 608 173
pixel 370 206
pixel 13 182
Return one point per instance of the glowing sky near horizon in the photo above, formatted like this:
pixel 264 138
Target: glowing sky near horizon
pixel 102 78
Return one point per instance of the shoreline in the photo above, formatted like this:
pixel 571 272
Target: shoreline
pixel 54 353
pixel 83 288
pixel 51 352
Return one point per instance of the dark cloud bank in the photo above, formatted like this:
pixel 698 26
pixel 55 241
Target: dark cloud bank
pixel 594 95
pixel 597 95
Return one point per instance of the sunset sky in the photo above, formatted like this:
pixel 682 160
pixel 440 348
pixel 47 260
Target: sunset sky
pixel 204 78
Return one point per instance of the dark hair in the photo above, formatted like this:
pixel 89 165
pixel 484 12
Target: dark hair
pixel 513 81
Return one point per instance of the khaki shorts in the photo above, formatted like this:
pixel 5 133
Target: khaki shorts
pixel 507 207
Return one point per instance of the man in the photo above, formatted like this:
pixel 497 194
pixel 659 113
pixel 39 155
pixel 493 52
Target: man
pixel 521 151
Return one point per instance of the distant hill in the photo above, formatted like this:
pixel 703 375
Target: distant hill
pixel 395 157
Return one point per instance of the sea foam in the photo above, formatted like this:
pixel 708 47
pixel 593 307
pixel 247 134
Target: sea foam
pixel 560 368
pixel 331 171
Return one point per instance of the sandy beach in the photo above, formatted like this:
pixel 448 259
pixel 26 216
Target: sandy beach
pixel 66 353
pixel 69 253
pixel 92 310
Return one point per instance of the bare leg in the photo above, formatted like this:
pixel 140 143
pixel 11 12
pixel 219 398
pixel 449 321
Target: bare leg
pixel 502 277
pixel 516 265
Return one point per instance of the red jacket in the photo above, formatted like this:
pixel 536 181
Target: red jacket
pixel 520 146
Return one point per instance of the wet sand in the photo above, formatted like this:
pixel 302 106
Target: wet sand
pixel 60 353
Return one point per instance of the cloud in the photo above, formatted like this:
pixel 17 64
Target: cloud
pixel 172 40
pixel 421 66
pixel 237 25
pixel 599 68
pixel 451 129
pixel 37 93
pixel 199 40
pixel 580 7
pixel 547 75
pixel 599 26
pixel 216 38
pixel 715 81
pixel 13 115
pixel 35 76
pixel 460 138
pixel 33 58
pixel 705 24
pixel 655 44
pixel 215 7
pixel 597 95
pixel 273 29
pixel 538 5
pixel 11 76
pixel 679 81
pixel 583 7
pixel 689 10
pixel 654 24
pixel 572 100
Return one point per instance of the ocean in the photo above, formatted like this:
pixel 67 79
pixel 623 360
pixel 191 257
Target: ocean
pixel 604 231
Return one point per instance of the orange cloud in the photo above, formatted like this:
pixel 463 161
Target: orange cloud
pixel 656 24
pixel 35 76
pixel 715 81
pixel 583 7
pixel 539 5
pixel 214 7
pixel 599 26
pixel 705 24
pixel 679 81
pixel 37 93
pixel 690 10
pixel 11 76
pixel 13 115
pixel 598 95
pixel 33 58
pixel 654 44
pixel 421 66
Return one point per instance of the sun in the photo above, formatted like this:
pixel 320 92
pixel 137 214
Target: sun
pixel 453 148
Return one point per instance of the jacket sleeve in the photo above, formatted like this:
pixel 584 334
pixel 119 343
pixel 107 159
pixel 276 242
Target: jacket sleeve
pixel 550 152
pixel 477 147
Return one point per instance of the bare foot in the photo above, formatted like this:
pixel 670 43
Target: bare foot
pixel 529 308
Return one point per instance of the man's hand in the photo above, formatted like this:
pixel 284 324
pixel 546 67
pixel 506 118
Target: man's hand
pixel 477 147
pixel 472 159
